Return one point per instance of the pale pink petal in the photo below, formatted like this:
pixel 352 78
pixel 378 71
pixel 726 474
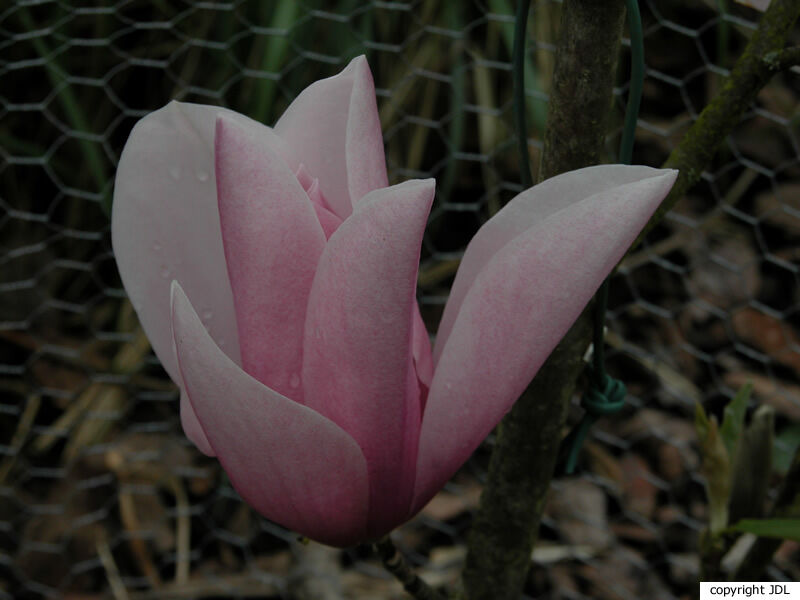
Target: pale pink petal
pixel 524 211
pixel 191 426
pixel 366 163
pixel 421 344
pixel 165 222
pixel 358 364
pixel 332 127
pixel 327 218
pixel 273 241
pixel 516 310
pixel 329 221
pixel 288 462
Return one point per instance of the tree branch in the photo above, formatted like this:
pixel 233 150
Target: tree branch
pixel 506 525
pixel 396 564
pixel 762 58
pixel 505 528
pixel 783 60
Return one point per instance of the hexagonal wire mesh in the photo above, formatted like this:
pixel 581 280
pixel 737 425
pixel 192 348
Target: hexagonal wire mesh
pixel 100 494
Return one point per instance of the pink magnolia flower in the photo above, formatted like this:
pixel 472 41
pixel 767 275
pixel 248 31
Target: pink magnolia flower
pixel 275 270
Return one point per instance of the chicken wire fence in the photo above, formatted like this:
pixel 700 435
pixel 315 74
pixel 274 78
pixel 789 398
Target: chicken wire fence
pixel 100 493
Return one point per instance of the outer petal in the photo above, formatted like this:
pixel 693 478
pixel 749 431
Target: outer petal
pixel 517 309
pixel 192 428
pixel 165 224
pixel 526 210
pixel 273 241
pixel 421 342
pixel 358 365
pixel 288 462
pixel 333 128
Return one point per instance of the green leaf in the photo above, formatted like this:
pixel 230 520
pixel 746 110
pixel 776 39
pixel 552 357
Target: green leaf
pixel 733 419
pixel 701 423
pixel 786 443
pixel 537 111
pixel 786 529
pixel 752 466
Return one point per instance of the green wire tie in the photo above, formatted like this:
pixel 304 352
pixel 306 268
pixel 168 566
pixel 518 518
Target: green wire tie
pixel 603 398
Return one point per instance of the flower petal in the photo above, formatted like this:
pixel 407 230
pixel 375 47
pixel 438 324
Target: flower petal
pixel 524 211
pixel 366 162
pixel 358 364
pixel 288 462
pixel 191 426
pixel 333 128
pixel 421 343
pixel 519 306
pixel 273 241
pixel 165 223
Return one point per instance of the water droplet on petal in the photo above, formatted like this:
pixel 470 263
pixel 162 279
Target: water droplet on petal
pixel 294 380
pixel 175 173
pixel 202 175
pixel 448 385
pixel 165 273
pixel 207 314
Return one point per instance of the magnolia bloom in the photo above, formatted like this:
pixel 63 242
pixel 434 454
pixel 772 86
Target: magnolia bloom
pixel 274 271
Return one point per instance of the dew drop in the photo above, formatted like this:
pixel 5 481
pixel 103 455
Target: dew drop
pixel 294 380
pixel 448 385
pixel 207 314
pixel 165 273
pixel 202 175
pixel 175 173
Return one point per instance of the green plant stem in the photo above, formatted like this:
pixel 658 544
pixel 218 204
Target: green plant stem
pixel 505 527
pixel 758 63
pixel 712 549
pixel 273 56
pixel 536 109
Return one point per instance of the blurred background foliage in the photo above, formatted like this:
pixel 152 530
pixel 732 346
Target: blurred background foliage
pixel 100 494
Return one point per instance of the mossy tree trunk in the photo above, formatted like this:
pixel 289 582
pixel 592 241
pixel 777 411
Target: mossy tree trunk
pixel 505 528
